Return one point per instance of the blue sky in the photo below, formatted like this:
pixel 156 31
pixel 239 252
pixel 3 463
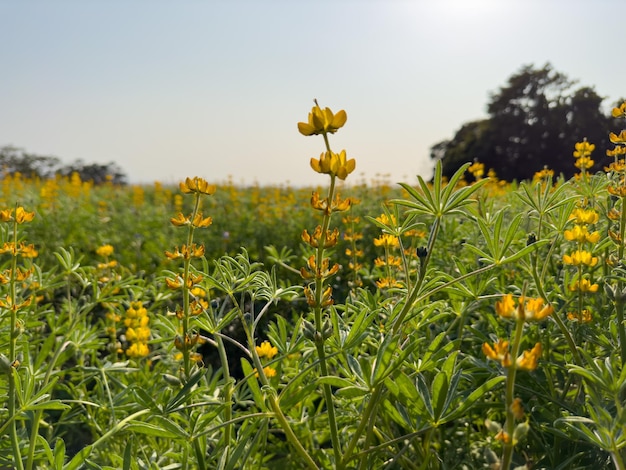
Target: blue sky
pixel 169 89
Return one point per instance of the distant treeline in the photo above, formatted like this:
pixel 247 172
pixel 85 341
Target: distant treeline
pixel 15 160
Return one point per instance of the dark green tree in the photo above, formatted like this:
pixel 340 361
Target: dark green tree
pixel 15 160
pixel 534 122
pixel 96 172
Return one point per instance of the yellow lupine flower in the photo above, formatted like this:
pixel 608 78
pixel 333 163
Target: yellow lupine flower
pixel 580 234
pixel 6 215
pixel 535 310
pixel 583 285
pixel 322 121
pixel 584 216
pixel 197 185
pixel 584 163
pixel 506 307
pixel 387 282
pixel 105 250
pixel 527 309
pixel 266 350
pixel 618 138
pixel 518 409
pixel 579 257
pixel 583 317
pixel 583 149
pixel 387 220
pixel 138 350
pixel 499 352
pixel 529 359
pixel 387 240
pixel 620 111
pixel 179 220
pixel 200 222
pixel 22 216
pixel 477 170
pixel 334 164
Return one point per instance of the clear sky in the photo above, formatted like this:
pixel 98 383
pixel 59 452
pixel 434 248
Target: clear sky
pixel 169 89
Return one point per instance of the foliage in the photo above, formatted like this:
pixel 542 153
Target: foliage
pixel 17 162
pixel 534 121
pixel 442 325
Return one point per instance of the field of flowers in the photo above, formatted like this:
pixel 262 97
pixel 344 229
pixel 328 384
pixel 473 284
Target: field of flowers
pixel 449 324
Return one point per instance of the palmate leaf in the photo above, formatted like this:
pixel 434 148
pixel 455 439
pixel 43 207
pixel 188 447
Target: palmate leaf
pixel 435 201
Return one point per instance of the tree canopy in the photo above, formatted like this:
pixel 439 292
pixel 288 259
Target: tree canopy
pixel 533 122
pixel 15 160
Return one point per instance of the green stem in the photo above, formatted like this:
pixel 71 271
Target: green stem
pixel 30 459
pixel 367 416
pixel 228 391
pixel 319 325
pixel 564 331
pixel 408 304
pixel 275 404
pixel 509 424
pixel 14 333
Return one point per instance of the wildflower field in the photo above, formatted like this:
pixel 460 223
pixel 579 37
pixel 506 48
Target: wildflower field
pixel 443 325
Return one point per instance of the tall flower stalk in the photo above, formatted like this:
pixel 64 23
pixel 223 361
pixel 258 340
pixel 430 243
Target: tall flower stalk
pixel 13 304
pixel 318 270
pixel 526 310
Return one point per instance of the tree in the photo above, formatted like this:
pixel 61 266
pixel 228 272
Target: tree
pixel 534 121
pixel 15 160
pixel 98 173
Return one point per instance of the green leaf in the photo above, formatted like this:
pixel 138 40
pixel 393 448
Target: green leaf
pixel 150 429
pixel 253 384
pixel 466 403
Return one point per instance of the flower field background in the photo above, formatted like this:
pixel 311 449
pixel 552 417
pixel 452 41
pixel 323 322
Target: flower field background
pixel 450 324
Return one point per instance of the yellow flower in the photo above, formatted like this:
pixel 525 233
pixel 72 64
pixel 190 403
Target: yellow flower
pixel 583 149
pixel 620 111
pixel 6 215
pixel 138 350
pixel 584 216
pixel 529 359
pixel 579 257
pixel 518 409
pixel 505 308
pixel 269 372
pixel 179 220
pixel 388 282
pixel 477 170
pixel 580 234
pixel 200 222
pixel 197 185
pixel 22 216
pixel 387 240
pixel 28 251
pixel 584 163
pixel 334 164
pixel 387 220
pixel 618 138
pixel 104 250
pixel 583 317
pixel 266 350
pixel 499 352
pixel 533 310
pixel 583 285
pixel 543 174
pixel 322 121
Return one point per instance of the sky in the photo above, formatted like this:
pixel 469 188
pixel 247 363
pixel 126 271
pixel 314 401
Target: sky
pixel 170 89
